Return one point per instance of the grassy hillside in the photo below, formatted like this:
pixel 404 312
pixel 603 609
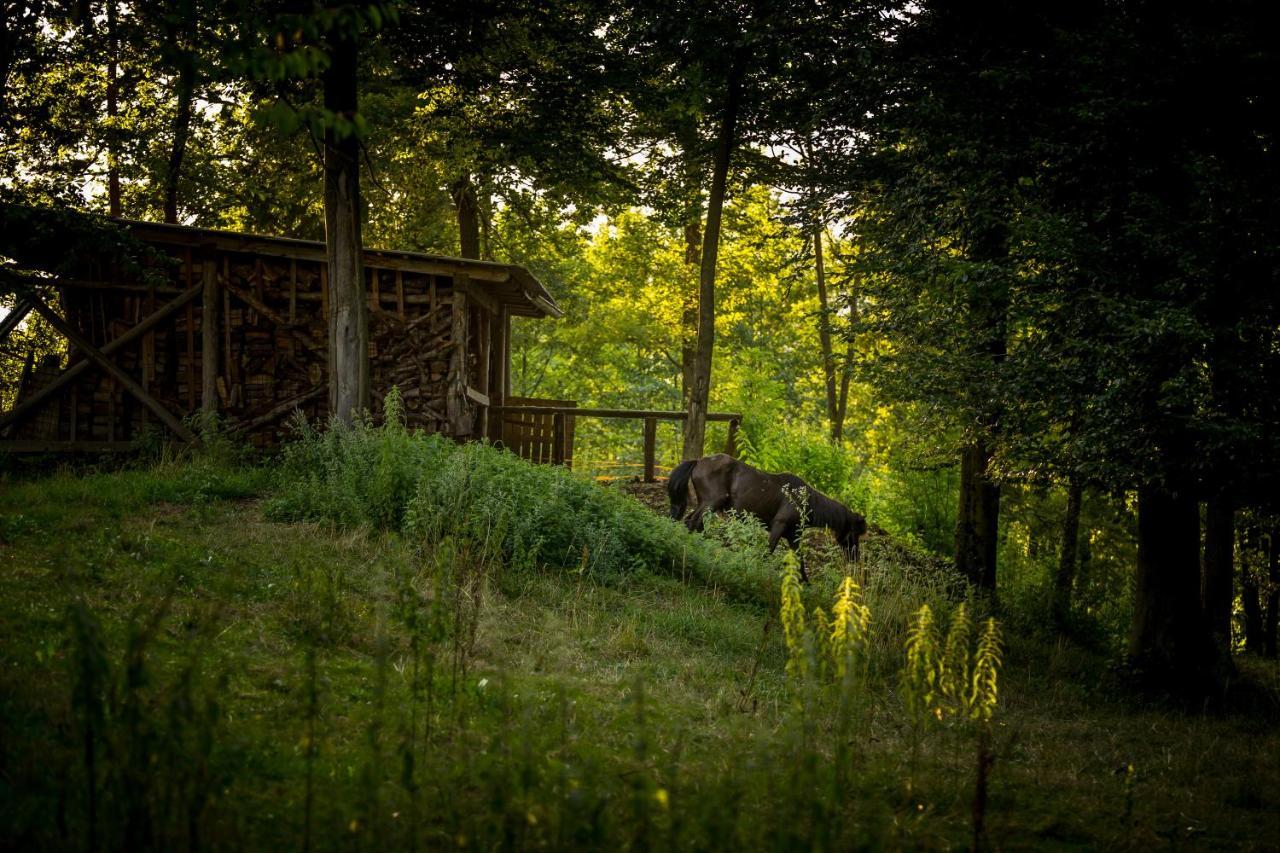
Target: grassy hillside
pixel 389 640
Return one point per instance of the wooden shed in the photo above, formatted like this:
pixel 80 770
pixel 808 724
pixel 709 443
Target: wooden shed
pixel 238 324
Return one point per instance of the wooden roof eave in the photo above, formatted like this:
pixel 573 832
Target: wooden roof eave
pixel 528 298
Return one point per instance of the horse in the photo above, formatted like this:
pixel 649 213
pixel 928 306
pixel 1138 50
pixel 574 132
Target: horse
pixel 722 482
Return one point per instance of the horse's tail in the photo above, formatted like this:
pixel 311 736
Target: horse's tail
pixel 678 488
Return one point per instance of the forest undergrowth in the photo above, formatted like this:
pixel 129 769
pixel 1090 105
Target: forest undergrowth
pixel 391 639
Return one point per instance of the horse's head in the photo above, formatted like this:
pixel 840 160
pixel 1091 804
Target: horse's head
pixel 851 534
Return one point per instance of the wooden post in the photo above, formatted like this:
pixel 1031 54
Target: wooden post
pixel 484 335
pixel 650 443
pixel 211 301
pixel 457 406
pixel 731 441
pixel 557 438
pixel 499 368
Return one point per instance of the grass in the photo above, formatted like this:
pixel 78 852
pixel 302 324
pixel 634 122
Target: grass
pixel 199 656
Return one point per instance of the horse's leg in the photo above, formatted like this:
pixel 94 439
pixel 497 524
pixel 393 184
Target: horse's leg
pixel 793 539
pixel 787 528
pixel 699 513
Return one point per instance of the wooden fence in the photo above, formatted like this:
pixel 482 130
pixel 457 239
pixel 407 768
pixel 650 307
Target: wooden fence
pixel 547 426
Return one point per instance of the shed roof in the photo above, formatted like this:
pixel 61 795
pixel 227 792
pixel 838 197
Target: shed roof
pixel 510 285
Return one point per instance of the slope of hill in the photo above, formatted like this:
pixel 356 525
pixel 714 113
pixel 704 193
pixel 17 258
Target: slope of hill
pixel 391 641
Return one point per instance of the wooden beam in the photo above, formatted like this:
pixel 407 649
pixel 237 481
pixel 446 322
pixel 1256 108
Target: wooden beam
pixel 615 413
pixel 35 446
pixel 115 371
pixel 557 439
pixel 209 338
pixel 456 386
pixel 13 318
pixel 650 445
pixel 74 370
pixel 477 396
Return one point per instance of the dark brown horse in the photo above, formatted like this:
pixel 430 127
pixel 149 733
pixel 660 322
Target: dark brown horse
pixel 722 482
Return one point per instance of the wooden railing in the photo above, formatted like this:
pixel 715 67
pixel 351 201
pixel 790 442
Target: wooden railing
pixel 563 417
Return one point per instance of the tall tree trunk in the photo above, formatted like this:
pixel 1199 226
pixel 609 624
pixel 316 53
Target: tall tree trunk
pixel 185 94
pixel 978 518
pixel 1250 599
pixel 824 334
pixel 1169 642
pixel 1217 583
pixel 348 310
pixel 846 373
pixel 689 312
pixel 1064 580
pixel 113 135
pixel 1271 620
pixel 696 426
pixel 463 192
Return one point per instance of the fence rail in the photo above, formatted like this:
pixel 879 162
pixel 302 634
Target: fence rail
pixel 563 421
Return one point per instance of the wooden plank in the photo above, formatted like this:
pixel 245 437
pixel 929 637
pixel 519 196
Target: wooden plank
pixel 616 413
pixel 477 396
pixel 13 318
pixel 293 291
pixel 18 412
pixel 557 438
pixel 116 372
pixel 36 446
pixel 188 272
pixel 456 387
pixel 650 445
pixel 400 294
pixel 209 338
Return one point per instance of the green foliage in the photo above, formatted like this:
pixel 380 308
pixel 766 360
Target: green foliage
pixel 951 677
pixel 432 490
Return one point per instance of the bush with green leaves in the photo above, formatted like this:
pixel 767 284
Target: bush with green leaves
pixel 430 488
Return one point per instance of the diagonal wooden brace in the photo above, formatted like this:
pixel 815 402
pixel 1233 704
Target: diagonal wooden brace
pixel 97 357
pixel 150 321
pixel 13 318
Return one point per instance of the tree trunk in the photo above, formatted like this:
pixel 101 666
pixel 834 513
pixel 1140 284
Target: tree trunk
pixel 463 192
pixel 1169 643
pixel 824 335
pixel 1272 616
pixel 1064 580
pixel 978 518
pixel 696 425
pixel 348 310
pixel 689 314
pixel 113 135
pixel 181 134
pixel 1250 600
pixel 842 400
pixel 1217 584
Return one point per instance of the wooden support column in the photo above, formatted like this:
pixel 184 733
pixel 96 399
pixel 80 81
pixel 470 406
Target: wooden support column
pixel 499 368
pixel 650 446
pixel 457 406
pixel 484 335
pixel 731 441
pixel 557 439
pixel 211 302
pixel 506 355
